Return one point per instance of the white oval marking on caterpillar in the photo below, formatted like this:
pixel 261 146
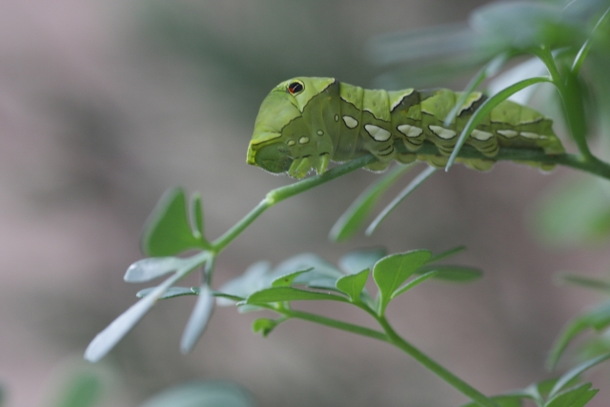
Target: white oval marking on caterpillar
pixel 291 143
pixel 377 132
pixel 528 134
pixel 303 140
pixel 350 122
pixel 481 135
pixel 336 117
pixel 508 133
pixel 320 132
pixel 442 132
pixel 410 131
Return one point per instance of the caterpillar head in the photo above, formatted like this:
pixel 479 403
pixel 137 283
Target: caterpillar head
pixel 282 140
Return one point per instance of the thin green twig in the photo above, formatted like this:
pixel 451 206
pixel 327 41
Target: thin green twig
pixel 279 194
pixel 435 367
pixel 571 102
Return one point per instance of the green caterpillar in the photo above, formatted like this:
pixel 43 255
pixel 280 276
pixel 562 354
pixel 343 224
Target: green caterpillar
pixel 304 123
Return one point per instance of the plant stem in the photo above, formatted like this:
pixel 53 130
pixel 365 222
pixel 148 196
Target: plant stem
pixel 571 100
pixel 593 165
pixel 334 323
pixel 434 367
pixel 279 194
pixel 390 336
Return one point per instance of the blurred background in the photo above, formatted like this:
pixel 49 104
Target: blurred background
pixel 105 104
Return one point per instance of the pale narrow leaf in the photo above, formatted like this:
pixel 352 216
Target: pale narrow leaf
pixel 199 319
pixel 151 268
pixel 113 333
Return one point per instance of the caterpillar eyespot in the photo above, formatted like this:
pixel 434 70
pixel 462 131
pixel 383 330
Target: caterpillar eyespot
pixel 295 87
pixel 335 121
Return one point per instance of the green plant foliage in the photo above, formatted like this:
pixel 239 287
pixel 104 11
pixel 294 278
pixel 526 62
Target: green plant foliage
pixel 575 212
pixel 83 389
pixel 203 394
pixel 171 292
pixel 574 397
pixel 151 268
pixel 564 391
pixel 392 271
pixel 124 323
pixel 352 285
pixel 501 401
pixel 264 326
pixel 453 273
pixel 359 260
pixel 283 294
pixel 201 314
pixel 260 284
pixel 170 230
pixel 355 215
pixel 416 182
pixel 596 319
pixel 586 282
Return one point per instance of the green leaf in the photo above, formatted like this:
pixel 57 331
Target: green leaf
pixel 448 253
pixel 569 376
pixel 358 260
pixel 586 282
pixel 413 283
pixel 281 294
pixel 352 219
pixel 253 279
pixel 501 401
pixel 288 279
pixel 200 394
pixel 353 284
pixel 392 271
pixel 522 26
pixel 172 292
pixel 321 274
pixel 198 321
pixel 197 217
pixel 124 323
pixel 307 261
pixel 168 230
pixel 265 325
pixel 457 274
pixel 152 267
pixel 574 397
pixel 598 319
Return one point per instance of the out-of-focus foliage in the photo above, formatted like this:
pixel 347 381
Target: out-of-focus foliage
pixel 203 394
pixel 575 212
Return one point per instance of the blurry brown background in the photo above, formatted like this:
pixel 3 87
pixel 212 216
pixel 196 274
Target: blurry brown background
pixel 105 104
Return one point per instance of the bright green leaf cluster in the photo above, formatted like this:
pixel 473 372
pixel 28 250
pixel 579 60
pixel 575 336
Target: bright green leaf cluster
pixel 565 391
pixel 308 277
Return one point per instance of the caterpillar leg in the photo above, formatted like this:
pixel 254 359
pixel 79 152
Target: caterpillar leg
pixel 383 160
